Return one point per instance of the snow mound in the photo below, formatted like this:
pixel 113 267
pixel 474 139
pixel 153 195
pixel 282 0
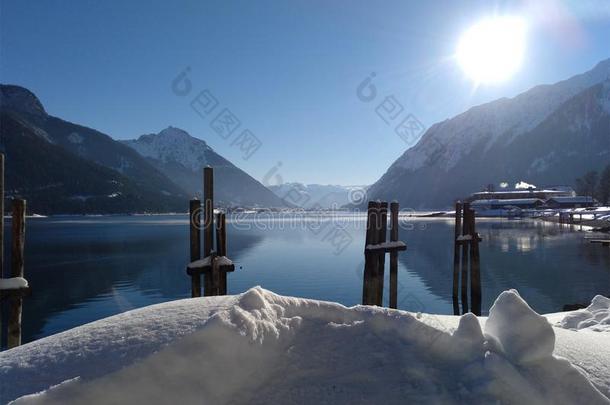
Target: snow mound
pixel 595 317
pixel 13 283
pixel 523 335
pixel 259 348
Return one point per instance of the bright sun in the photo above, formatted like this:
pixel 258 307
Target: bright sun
pixel 492 50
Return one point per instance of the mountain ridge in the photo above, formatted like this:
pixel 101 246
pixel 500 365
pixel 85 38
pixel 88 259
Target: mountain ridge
pixel 459 155
pixel 181 156
pixel 55 181
pixel 145 186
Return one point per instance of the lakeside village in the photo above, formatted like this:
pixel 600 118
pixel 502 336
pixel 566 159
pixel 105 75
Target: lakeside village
pixel 561 204
pixel 558 203
pixel 586 204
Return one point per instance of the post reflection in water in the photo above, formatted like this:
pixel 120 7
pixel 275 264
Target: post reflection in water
pixel 550 266
pixel 83 269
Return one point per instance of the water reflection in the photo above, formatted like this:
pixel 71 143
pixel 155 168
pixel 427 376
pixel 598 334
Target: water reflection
pixel 549 266
pixel 85 269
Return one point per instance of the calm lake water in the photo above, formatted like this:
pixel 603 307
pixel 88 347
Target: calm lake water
pixel 86 268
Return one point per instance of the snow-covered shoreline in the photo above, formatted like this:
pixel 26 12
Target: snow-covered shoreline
pixel 259 347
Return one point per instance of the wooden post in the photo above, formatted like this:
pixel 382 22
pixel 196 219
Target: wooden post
pixel 383 229
pixel 195 237
pixel 221 249
pixel 214 288
pixel 370 259
pixel 1 232
pixel 465 255
pixel 475 268
pixel 208 217
pixel 208 224
pixel 1 217
pixel 221 234
pixel 394 255
pixel 18 243
pixel 456 257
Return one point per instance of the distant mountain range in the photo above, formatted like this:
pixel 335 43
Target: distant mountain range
pixel 61 167
pixel 550 134
pixel 318 196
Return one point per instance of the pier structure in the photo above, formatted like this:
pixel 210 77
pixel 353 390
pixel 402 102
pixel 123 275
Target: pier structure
pixel 466 261
pixel 376 247
pixel 14 287
pixel 212 264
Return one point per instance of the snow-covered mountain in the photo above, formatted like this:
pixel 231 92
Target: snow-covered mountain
pixel 548 134
pixel 174 145
pixel 87 143
pixel 319 195
pixel 182 157
pixel 62 167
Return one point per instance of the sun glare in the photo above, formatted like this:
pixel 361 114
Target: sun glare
pixel 491 51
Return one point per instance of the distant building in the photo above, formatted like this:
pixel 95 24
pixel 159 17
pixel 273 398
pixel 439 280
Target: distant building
pixel 571 202
pixel 519 194
pixel 567 189
pixel 507 204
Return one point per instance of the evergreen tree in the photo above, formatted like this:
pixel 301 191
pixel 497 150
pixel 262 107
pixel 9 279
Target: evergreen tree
pixel 603 188
pixel 587 185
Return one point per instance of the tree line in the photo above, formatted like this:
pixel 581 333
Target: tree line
pixel 596 185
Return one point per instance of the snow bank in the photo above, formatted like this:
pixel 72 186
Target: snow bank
pixel 595 317
pixel 259 347
pixel 13 283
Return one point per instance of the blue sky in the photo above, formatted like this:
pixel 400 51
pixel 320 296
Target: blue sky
pixel 288 70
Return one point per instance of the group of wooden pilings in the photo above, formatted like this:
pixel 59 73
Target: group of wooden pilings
pixel 466 261
pixel 12 295
pixel 375 249
pixel 213 265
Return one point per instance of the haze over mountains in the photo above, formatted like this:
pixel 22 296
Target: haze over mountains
pixel 319 196
pixel 550 134
pixel 61 167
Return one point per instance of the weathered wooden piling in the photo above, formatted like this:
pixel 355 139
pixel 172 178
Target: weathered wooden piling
pixel 13 292
pixel 221 249
pixel 394 255
pixel 466 243
pixel 17 270
pixel 1 217
pixel 374 253
pixel 456 257
pixel 465 254
pixel 208 225
pixel 1 231
pixel 195 247
pixel 214 264
pixel 370 260
pixel 383 228
pixel 475 267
